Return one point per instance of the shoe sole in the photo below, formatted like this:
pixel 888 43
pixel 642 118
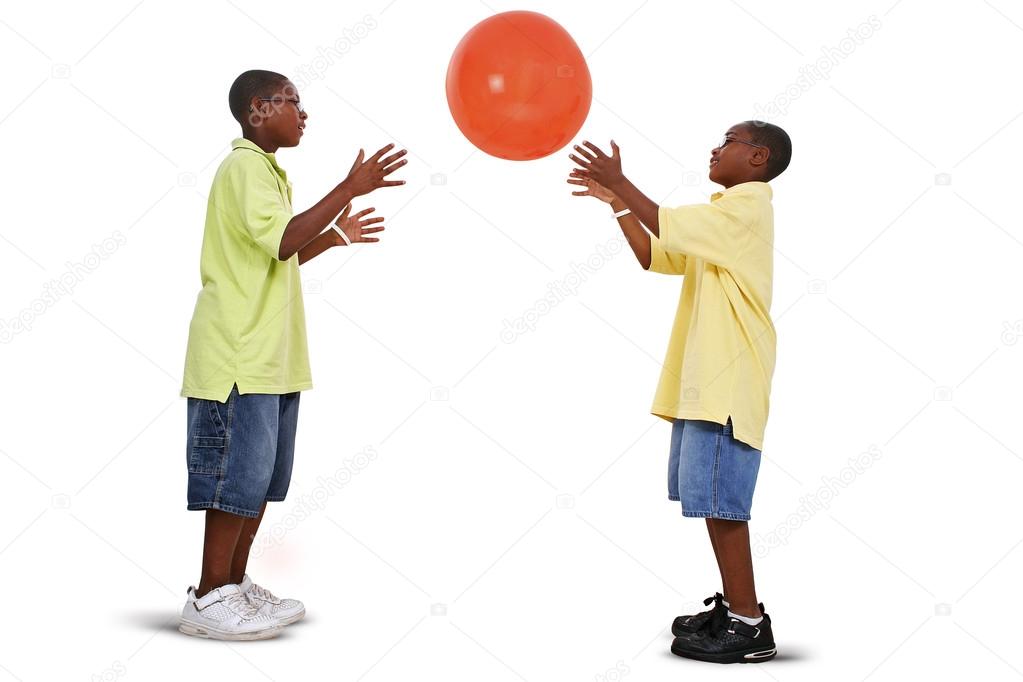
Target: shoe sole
pixel 206 632
pixel 744 656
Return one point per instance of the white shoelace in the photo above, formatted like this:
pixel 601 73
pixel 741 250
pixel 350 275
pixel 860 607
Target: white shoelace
pixel 262 593
pixel 240 605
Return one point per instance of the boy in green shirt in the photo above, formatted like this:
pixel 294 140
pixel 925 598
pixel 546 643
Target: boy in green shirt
pixel 716 379
pixel 247 359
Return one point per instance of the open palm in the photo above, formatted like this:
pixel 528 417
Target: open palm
pixel 356 226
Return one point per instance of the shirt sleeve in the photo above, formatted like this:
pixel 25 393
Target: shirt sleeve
pixel 663 262
pixel 716 232
pixel 264 213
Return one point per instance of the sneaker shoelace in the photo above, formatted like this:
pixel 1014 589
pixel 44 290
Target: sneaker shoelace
pixel 240 605
pixel 260 592
pixel 719 621
pixel 716 598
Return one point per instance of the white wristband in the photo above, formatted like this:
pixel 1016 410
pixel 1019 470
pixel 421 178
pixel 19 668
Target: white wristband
pixel 348 242
pixel 624 211
pixel 333 224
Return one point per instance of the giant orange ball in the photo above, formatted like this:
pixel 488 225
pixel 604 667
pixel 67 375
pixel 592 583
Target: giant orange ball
pixel 518 86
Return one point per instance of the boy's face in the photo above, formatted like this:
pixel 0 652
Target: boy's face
pixel 282 118
pixel 737 159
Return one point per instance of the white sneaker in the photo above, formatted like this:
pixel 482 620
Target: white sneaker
pixel 225 613
pixel 286 611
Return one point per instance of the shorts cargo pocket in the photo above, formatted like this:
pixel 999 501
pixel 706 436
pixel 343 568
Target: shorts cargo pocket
pixel 206 455
pixel 207 439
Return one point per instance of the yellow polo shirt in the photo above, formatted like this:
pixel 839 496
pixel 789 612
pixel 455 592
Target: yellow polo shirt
pixel 248 326
pixel 720 358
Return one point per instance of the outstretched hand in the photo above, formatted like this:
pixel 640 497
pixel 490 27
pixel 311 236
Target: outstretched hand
pixel 356 227
pixel 366 176
pixel 596 165
pixel 593 188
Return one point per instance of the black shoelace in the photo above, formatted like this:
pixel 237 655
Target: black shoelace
pixel 719 622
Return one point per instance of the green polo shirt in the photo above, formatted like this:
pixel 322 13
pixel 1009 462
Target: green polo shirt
pixel 248 326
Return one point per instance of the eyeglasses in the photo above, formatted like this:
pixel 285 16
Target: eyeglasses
pixel 298 105
pixel 726 140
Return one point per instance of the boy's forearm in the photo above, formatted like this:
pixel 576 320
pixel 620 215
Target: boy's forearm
pixel 642 206
pixel 304 227
pixel 635 234
pixel 318 246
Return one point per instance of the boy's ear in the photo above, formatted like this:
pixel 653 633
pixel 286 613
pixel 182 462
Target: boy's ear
pixel 759 156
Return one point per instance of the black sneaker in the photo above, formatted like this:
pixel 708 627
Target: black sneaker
pixel 687 625
pixel 728 640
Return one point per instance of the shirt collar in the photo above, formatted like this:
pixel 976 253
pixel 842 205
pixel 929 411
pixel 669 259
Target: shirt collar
pixel 244 143
pixel 753 186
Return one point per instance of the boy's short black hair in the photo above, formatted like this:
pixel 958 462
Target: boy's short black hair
pixel 254 83
pixel 775 139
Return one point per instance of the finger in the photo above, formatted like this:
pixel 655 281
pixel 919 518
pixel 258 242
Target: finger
pixel 579 173
pixel 381 152
pixel 584 152
pixel 371 230
pixel 394 166
pixel 363 212
pixel 584 164
pixel 344 213
pixel 578 182
pixel 579 194
pixel 370 239
pixel 393 157
pixel 596 150
pixel 614 150
pixel 371 221
pixel 358 160
pixel 391 183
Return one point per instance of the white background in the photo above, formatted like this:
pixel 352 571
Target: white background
pixel 512 522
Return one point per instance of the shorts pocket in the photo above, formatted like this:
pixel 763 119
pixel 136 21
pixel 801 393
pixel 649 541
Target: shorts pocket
pixel 206 455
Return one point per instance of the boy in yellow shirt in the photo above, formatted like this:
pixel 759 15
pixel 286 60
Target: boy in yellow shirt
pixel 247 359
pixel 716 379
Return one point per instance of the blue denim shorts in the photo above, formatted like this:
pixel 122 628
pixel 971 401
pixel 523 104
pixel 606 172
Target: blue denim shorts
pixel 710 472
pixel 240 453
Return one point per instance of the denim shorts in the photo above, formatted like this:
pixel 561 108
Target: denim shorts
pixel 710 472
pixel 240 453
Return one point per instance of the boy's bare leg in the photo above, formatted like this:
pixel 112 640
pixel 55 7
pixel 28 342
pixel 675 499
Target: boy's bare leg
pixel 717 557
pixel 241 550
pixel 733 551
pixel 222 529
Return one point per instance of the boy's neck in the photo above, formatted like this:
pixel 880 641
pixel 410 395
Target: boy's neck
pixel 741 182
pixel 259 138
